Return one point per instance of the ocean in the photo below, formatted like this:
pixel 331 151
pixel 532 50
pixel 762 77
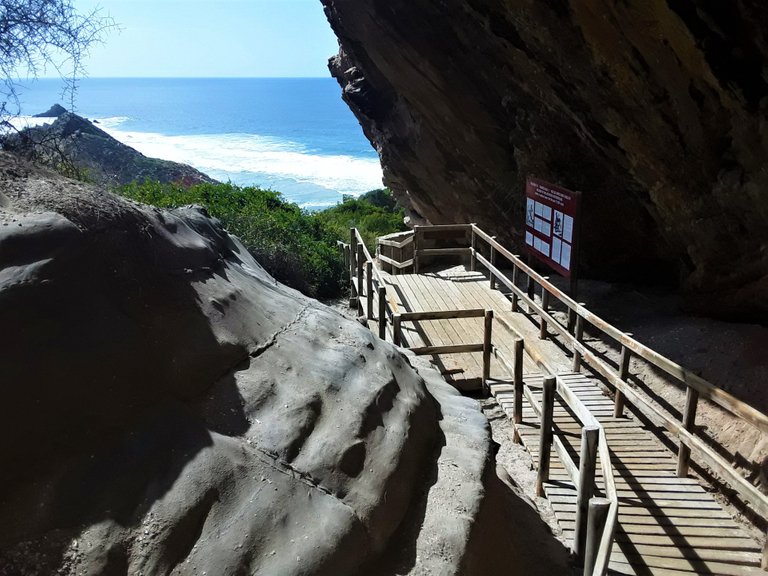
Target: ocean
pixel 293 135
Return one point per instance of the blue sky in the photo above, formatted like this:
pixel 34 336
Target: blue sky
pixel 212 38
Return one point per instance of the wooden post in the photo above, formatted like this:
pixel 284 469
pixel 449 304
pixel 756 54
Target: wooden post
pixel 618 403
pixel 689 420
pixel 571 320
pixel 579 336
pixel 382 312
pixel 530 288
pixel 473 258
pixel 487 345
pixel 352 252
pixel 398 258
pixel 517 364
pixel 597 517
pixel 515 297
pixel 590 436
pixel 396 330
pixel 360 261
pixel 416 230
pixel 764 563
pixel 493 263
pixel 545 437
pixel 346 255
pixel 545 307
pixel 369 289
pixel 352 267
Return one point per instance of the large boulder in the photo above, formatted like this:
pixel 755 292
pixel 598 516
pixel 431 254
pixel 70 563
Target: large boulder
pixel 168 408
pixel 656 111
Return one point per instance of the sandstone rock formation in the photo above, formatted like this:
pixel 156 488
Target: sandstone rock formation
pixel 168 408
pixel 657 112
pixel 73 144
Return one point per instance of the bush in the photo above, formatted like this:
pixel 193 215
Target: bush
pixel 297 247
pixel 288 242
pixel 374 213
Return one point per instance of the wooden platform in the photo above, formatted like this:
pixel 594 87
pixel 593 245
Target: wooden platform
pixel 667 525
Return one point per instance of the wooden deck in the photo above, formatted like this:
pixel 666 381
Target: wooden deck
pixel 667 525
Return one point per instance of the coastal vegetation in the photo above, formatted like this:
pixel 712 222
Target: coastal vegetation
pixel 296 246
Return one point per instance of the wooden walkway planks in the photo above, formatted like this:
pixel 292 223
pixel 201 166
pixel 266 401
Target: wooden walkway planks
pixel 667 525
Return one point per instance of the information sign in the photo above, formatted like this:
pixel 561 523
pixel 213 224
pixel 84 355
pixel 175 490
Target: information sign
pixel 551 225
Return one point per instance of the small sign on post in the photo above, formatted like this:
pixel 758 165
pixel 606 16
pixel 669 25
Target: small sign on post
pixel 552 216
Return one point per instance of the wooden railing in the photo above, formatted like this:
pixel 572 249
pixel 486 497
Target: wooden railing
pixel 696 387
pixel 485 346
pixel 596 518
pixel 367 289
pixel 396 249
pixel 572 334
pixel 368 292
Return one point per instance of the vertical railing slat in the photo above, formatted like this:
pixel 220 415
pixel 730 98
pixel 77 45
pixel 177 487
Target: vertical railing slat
pixel 546 432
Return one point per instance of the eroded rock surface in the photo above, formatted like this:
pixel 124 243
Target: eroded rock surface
pixel 168 408
pixel 657 112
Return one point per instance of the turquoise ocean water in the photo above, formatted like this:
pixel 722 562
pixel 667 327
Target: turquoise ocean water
pixel 293 135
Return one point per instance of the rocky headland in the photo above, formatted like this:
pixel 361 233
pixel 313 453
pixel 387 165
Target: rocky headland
pixel 75 146
pixel 169 408
pixel 657 112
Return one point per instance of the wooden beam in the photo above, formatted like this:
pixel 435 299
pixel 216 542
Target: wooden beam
pixel 590 436
pixel 598 512
pixel 397 330
pixel 445 251
pixel 517 361
pixel 543 319
pixel 448 349
pixel 473 251
pixel 360 262
pixel 382 312
pixel 443 314
pixel 487 347
pixel 369 289
pixel 493 263
pixel 416 248
pixel 545 437
pixel 689 422
pixel 578 335
pixel 618 406
pixel 395 263
pixel 515 297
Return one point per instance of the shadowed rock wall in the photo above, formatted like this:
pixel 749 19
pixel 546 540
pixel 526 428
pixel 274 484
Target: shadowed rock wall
pixel 656 111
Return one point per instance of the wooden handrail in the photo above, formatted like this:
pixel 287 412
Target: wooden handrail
pixel 706 389
pixel 393 244
pixel 395 263
pixel 756 499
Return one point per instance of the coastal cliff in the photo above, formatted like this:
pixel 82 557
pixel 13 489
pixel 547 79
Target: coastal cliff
pixel 657 112
pixel 76 146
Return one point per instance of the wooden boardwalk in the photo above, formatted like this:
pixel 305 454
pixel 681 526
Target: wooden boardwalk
pixel 666 525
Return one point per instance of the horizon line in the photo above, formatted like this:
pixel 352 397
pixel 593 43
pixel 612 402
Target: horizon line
pixel 178 78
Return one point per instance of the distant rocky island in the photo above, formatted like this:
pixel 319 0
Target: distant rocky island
pixel 76 146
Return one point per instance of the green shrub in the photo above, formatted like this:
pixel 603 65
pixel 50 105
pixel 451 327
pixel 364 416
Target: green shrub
pixel 287 241
pixel 296 246
pixel 374 213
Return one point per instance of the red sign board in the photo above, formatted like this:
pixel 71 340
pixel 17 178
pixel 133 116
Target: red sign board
pixel 551 225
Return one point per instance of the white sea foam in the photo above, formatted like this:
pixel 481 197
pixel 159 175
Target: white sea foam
pixel 21 122
pixel 111 123
pixel 311 179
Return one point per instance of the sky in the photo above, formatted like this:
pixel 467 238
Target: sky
pixel 212 38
